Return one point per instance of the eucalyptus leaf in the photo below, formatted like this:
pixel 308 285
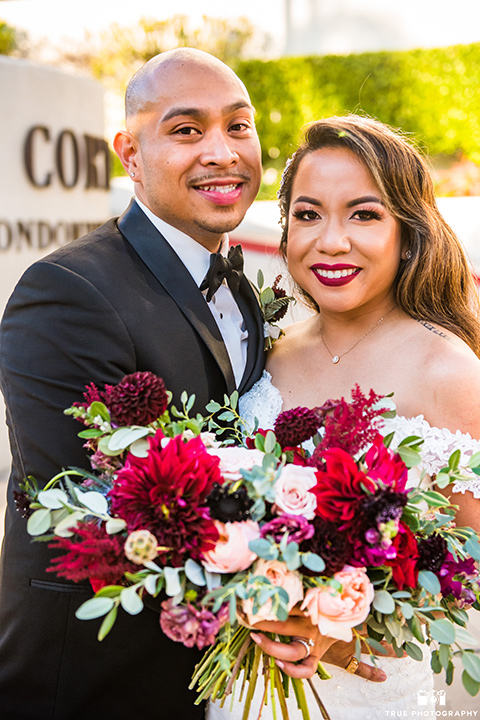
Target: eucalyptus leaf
pixel 131 601
pixel 103 446
pixel 151 584
pixel 263 548
pixel 471 663
pixel 444 655
pixel 114 525
pixel 64 527
pixel 407 610
pixel 414 651
pixel 410 457
pixel 140 448
pixel 428 580
pixel 471 686
pixel 195 573
pixel 94 501
pixel 39 522
pixel 172 581
pixel 94 608
pixel 55 499
pixel 270 442
pixel 124 437
pixel 313 562
pixel 473 548
pixel 443 631
pixel 465 638
pixel 260 279
pixel 383 602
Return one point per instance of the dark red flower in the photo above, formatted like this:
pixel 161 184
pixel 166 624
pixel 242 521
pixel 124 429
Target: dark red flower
pixel 350 426
pixel 138 399
pixel 404 565
pixel 452 572
pixel 332 545
pixel 91 552
pixel 293 427
pixel 341 488
pixel 166 493
pixel 279 293
pixel 385 466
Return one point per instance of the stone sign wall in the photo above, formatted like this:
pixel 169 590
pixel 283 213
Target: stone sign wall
pixel 54 183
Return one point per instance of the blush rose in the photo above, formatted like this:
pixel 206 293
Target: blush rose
pixel 337 612
pixel 292 491
pixel 231 552
pixel 234 459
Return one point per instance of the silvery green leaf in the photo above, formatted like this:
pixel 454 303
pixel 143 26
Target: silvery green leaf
pixel 313 562
pixel 443 631
pixel 383 602
pixel 465 638
pixel 139 448
pixel 444 655
pixel 151 584
pixel 471 663
pixel 473 548
pixel 114 525
pixel 130 601
pixel 153 566
pixel 260 279
pixel 214 580
pixel 103 446
pixel 195 573
pixel 63 527
pixel 172 580
pixel 270 441
pixel 428 580
pixel 263 548
pixel 94 608
pixel 53 498
pixel 39 522
pixel 124 437
pixel 471 686
pixel 414 651
pixel 393 625
pixel 407 610
pixel 94 501
pixel 475 460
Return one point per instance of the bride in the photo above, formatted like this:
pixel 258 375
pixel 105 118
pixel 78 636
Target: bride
pixel 396 310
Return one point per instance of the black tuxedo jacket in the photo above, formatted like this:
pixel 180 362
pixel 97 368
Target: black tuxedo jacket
pixel 114 302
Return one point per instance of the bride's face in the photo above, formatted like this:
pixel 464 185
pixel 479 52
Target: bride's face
pixel 343 245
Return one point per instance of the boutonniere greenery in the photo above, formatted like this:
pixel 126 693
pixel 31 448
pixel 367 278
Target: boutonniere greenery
pixel 274 303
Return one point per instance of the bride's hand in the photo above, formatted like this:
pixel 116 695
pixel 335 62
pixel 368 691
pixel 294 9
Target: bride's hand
pixel 292 659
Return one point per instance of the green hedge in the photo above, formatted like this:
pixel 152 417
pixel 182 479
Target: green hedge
pixel 432 94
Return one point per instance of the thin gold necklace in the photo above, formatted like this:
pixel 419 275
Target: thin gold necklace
pixel 336 358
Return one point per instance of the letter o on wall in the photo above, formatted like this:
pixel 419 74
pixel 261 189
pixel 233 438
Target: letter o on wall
pixel 67 165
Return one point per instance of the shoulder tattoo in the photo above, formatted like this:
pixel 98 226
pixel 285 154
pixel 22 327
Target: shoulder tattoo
pixel 434 329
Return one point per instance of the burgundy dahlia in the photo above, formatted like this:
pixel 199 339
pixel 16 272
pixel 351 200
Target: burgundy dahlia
pixel 332 545
pixel 138 399
pixel 166 492
pixel 293 427
pixel 91 552
pixel 22 503
pixel 383 507
pixel 432 551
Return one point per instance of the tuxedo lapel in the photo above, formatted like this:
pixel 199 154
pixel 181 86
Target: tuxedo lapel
pixel 171 273
pixel 250 309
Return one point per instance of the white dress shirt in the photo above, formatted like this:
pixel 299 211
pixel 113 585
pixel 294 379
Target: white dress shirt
pixel 223 307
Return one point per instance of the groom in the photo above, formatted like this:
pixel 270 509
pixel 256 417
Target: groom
pixel 125 298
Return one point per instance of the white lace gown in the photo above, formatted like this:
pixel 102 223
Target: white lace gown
pixel 347 696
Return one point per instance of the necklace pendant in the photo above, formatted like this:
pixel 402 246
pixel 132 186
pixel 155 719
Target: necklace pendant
pixel 335 359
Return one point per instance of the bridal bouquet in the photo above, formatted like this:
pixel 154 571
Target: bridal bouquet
pixel 234 524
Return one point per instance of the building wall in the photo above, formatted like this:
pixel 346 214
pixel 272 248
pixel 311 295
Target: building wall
pixel 54 183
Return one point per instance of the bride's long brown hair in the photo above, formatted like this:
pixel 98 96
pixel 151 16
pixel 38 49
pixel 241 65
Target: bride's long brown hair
pixel 435 283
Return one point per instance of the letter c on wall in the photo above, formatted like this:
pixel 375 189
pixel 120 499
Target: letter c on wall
pixel 29 152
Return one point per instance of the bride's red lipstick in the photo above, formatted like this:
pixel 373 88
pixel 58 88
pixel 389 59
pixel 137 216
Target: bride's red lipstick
pixel 335 275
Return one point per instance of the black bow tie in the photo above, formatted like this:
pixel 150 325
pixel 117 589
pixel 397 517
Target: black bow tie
pixel 230 268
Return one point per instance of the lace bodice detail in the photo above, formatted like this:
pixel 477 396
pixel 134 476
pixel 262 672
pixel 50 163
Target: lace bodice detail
pixel 265 402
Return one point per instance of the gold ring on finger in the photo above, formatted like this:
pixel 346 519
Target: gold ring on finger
pixel 352 665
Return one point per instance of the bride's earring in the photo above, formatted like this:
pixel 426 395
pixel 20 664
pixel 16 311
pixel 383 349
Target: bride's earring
pixel 408 254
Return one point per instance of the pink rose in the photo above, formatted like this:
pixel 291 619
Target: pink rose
pixel 337 612
pixel 234 459
pixel 231 552
pixel 292 494
pixel 278 574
